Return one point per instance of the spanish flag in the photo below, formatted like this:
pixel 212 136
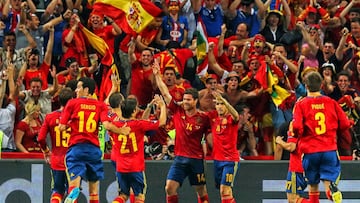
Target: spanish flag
pixel 102 48
pixel 131 15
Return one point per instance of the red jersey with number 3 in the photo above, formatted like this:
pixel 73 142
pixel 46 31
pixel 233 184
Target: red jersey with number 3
pixel 59 140
pixel 316 121
pixel 190 130
pixel 130 157
pixel 82 115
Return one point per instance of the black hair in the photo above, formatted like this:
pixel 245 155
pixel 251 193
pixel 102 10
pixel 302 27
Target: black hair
pixel 65 95
pixel 36 79
pixel 72 84
pixel 193 92
pixel 88 83
pixel 128 107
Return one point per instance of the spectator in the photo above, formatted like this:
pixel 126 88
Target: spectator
pixel 27 129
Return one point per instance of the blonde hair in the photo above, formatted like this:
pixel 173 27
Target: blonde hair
pixel 31 107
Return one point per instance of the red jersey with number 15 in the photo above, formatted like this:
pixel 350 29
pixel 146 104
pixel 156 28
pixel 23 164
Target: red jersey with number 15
pixel 130 157
pixel 316 121
pixel 59 140
pixel 82 115
pixel 190 130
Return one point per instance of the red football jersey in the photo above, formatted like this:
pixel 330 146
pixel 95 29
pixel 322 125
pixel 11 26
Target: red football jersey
pixel 315 121
pixel 295 163
pixel 82 115
pixel 130 155
pixel 224 132
pixel 59 140
pixel 141 85
pixel 42 73
pixel 190 130
pixel 176 58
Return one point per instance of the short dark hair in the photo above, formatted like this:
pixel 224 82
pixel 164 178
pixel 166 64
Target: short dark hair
pixel 193 92
pixel 313 81
pixel 128 107
pixel 65 95
pixel 36 79
pixel 343 73
pixel 116 99
pixel 72 84
pixel 10 34
pixel 88 83
pixel 169 68
pixel 241 107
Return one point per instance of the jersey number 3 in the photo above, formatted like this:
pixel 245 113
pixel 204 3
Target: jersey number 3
pixel 321 127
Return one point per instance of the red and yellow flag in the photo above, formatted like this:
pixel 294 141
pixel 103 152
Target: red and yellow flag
pixel 131 15
pixel 102 48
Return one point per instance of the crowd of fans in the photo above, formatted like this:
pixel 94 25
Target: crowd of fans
pixel 258 53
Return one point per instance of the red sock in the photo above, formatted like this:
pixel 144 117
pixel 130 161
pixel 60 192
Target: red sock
pixel 204 199
pixel 302 200
pixel 119 199
pixel 328 194
pixel 227 199
pixel 132 197
pixel 172 199
pixel 94 198
pixel 56 198
pixel 314 197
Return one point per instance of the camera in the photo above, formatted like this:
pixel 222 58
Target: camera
pixel 152 149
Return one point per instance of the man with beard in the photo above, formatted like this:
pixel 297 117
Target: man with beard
pixel 191 126
pixel 142 83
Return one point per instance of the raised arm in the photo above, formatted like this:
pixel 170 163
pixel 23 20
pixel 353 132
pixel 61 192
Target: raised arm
pixel 49 47
pixel 230 108
pixel 160 83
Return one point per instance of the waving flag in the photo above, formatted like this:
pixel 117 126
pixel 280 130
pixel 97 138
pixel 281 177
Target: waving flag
pixel 102 48
pixel 278 94
pixel 131 15
pixel 202 49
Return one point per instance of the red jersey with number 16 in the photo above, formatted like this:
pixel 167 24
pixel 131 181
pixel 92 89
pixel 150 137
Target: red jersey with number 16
pixel 316 121
pixel 59 140
pixel 83 115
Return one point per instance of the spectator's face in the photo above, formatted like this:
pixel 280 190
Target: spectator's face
pixel 211 84
pixel 96 21
pixel 343 83
pixel 146 58
pixel 328 48
pixel 189 102
pixel 74 69
pixel 15 4
pixel 241 31
pixel 273 19
pixel 239 68
pixel 254 66
pixel 34 22
pixel 10 42
pixel 33 59
pixel 355 29
pixel 169 77
pixel 173 7
pixel 233 83
pixel 210 4
pixel 35 88
pixel 245 116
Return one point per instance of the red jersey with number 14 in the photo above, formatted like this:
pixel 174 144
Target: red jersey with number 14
pixel 316 121
pixel 130 157
pixel 83 115
pixel 59 140
pixel 190 130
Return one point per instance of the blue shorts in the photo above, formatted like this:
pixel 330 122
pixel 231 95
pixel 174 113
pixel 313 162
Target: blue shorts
pixel 183 167
pixel 224 172
pixel 84 160
pixel 135 180
pixel 59 181
pixel 321 166
pixel 295 183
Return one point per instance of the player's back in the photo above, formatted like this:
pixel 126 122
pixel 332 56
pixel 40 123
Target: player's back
pixel 131 147
pixel 316 120
pixel 85 115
